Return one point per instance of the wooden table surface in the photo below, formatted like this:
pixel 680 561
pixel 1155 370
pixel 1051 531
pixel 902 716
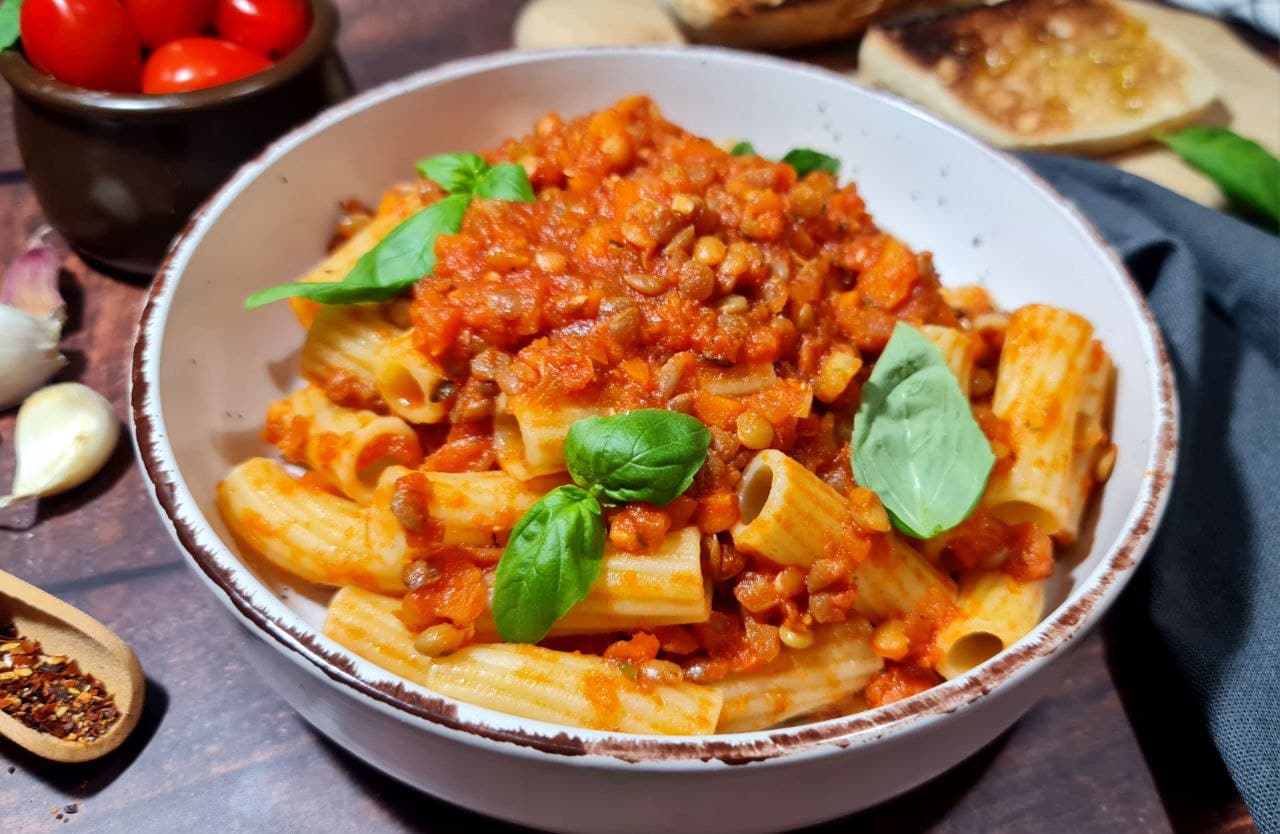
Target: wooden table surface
pixel 1117 748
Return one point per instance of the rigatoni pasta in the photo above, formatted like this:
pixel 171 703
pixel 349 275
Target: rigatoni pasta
pixel 610 428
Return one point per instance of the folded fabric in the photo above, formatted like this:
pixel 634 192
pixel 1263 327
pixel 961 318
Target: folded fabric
pixel 1214 569
pixel 1263 15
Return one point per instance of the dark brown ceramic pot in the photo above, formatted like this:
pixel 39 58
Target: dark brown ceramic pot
pixel 119 175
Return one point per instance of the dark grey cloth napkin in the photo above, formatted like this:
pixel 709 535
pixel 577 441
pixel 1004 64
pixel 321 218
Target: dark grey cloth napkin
pixel 1214 570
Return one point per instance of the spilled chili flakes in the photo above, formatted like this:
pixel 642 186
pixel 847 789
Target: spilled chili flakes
pixel 49 693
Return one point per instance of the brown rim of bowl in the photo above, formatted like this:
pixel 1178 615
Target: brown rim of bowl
pixel 42 87
pixel 305 646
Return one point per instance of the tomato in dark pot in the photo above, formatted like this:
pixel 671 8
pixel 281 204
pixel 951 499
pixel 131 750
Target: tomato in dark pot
pixel 270 27
pixel 196 63
pixel 161 21
pixel 88 43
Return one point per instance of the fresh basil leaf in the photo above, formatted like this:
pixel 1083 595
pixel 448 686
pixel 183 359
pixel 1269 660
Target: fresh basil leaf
pixel 743 149
pixel 508 181
pixel 548 565
pixel 399 261
pixel 1243 169
pixel 10 15
pixel 915 441
pixel 457 173
pixel 806 161
pixel 648 455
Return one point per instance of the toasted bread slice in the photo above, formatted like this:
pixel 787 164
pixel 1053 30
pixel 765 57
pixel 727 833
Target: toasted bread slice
pixel 1066 75
pixel 775 24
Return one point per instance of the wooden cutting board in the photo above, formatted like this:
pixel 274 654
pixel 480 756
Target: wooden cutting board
pixel 1248 84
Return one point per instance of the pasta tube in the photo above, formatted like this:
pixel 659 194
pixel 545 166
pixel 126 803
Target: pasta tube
pixel 349 447
pixel 396 205
pixel 994 612
pixel 528 435
pixel 1038 386
pixel 1091 438
pixel 307 531
pixel 637 591
pixel 342 350
pixel 893 580
pixel 469 507
pixel 959 349
pixel 787 514
pixel 410 384
pixel 529 681
pixel 838 665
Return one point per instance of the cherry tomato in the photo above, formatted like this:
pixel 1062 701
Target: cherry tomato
pixel 88 43
pixel 195 63
pixel 161 21
pixel 270 27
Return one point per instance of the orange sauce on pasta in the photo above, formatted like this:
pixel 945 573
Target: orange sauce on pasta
pixel 656 270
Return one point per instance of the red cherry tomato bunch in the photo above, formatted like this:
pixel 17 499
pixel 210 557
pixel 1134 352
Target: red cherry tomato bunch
pixel 187 44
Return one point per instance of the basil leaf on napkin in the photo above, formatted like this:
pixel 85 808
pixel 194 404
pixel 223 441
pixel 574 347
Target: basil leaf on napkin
pixel 648 455
pixel 1243 169
pixel 548 565
pixel 915 441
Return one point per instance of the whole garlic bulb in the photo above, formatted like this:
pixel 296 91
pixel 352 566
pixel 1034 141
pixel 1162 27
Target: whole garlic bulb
pixel 65 433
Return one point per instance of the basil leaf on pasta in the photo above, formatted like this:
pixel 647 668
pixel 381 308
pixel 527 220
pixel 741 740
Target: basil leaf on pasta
pixel 806 161
pixel 508 181
pixel 548 565
pixel 916 443
pixel 408 253
pixel 648 455
pixel 457 173
pixel 743 149
pixel 386 270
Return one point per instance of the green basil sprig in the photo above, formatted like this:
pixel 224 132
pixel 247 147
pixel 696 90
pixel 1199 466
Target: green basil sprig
pixel 10 15
pixel 555 549
pixel 804 160
pixel 549 562
pixel 408 253
pixel 915 441
pixel 646 455
pixel 1241 168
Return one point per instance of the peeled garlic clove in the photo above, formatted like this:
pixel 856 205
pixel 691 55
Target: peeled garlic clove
pixel 65 434
pixel 28 354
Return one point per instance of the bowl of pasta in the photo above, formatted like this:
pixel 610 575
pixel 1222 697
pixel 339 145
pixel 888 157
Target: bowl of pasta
pixel 621 424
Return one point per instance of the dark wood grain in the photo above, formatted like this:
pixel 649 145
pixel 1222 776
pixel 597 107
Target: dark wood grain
pixel 1118 747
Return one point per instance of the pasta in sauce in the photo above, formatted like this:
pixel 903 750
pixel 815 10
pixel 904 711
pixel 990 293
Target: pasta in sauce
pixel 656 270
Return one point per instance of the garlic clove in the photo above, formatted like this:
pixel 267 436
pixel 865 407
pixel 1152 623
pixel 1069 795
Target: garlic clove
pixel 28 354
pixel 65 433
pixel 31 282
pixel 31 316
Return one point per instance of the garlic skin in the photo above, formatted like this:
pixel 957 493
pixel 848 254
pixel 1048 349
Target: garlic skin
pixel 28 354
pixel 31 316
pixel 65 433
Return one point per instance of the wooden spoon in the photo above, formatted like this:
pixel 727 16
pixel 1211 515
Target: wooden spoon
pixel 65 630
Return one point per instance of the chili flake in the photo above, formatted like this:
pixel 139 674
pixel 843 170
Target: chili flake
pixel 49 693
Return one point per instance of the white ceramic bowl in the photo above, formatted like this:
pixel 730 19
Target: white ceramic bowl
pixel 204 371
